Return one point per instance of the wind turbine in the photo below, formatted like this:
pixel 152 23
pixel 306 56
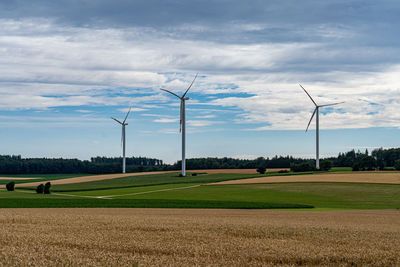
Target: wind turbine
pixel 182 128
pixel 123 139
pixel 316 111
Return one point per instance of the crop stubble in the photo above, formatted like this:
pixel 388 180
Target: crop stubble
pixel 198 237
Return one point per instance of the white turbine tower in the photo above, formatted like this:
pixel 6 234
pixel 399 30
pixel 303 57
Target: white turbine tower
pixel 123 139
pixel 182 129
pixel 316 111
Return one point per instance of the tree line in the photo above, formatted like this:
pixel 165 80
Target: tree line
pixel 139 161
pixel 378 158
pixel 96 165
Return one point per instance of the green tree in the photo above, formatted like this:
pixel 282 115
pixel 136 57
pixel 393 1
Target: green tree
pixel 10 186
pixel 397 164
pixel 261 169
pixel 356 167
pixel 302 167
pixel 326 165
pixel 368 163
pixel 47 188
pixel 40 189
pixel 381 165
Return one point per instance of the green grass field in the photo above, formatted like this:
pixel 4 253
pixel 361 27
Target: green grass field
pixel 170 190
pixel 149 180
pixel 319 195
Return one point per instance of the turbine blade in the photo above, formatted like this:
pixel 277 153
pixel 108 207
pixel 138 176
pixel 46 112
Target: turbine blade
pixel 127 114
pixel 332 104
pixel 116 120
pixel 308 125
pixel 308 95
pixel 170 92
pixel 190 85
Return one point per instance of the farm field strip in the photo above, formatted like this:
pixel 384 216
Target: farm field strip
pixel 380 178
pixel 90 178
pixel 71 195
pixel 147 180
pixel 170 190
pixel 120 191
pixel 148 192
pixel 79 194
pixel 20 179
pixel 334 196
pixel 132 191
pixel 56 194
pixel 200 237
pixel 20 191
pixel 319 195
pixel 25 191
pixel 16 178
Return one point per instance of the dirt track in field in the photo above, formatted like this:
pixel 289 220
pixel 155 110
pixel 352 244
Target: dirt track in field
pixel 120 175
pixel 376 177
pixel 195 237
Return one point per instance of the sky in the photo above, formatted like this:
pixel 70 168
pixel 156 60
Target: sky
pixel 67 66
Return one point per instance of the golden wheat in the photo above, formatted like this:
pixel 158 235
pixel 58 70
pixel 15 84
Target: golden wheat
pixel 126 237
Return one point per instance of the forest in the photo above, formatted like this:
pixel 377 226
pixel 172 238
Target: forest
pixel 378 158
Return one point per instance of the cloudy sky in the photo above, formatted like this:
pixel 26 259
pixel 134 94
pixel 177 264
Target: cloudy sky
pixel 67 66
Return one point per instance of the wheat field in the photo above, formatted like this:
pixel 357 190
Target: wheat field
pixel 179 237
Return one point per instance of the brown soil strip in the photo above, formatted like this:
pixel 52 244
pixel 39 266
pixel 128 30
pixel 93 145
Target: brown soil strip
pixel 179 237
pixel 382 178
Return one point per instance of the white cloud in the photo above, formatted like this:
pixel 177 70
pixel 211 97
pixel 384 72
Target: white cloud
pixel 43 65
pixel 205 117
pixel 132 109
pixel 201 123
pixel 166 120
pixel 169 131
pixel 59 121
